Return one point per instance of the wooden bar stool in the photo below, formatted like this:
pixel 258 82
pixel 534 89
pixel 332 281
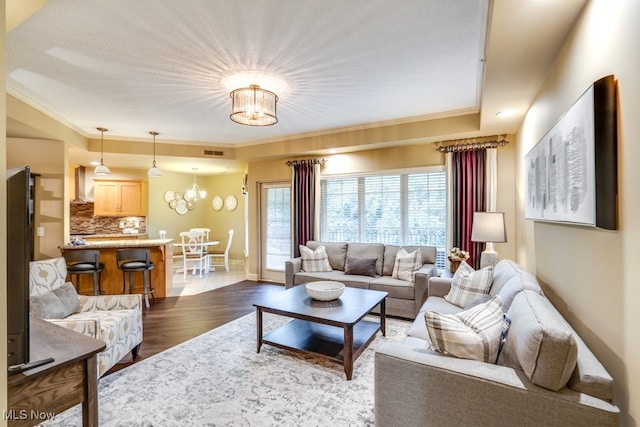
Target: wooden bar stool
pixel 136 261
pixel 84 261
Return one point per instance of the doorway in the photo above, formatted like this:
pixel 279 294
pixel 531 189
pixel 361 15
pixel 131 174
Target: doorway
pixel 275 223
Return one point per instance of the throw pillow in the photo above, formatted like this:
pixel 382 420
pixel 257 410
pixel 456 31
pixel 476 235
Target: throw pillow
pixel 361 266
pixel 55 304
pixel 471 334
pixel 469 284
pixel 314 261
pixel 406 265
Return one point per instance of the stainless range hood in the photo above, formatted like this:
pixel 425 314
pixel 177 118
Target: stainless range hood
pixel 79 186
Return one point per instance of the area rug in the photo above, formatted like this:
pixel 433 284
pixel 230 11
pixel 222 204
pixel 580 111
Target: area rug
pixel 218 379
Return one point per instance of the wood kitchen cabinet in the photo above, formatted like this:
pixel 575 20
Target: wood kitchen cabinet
pixel 117 198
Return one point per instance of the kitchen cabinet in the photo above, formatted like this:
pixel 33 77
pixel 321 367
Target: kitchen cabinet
pixel 117 198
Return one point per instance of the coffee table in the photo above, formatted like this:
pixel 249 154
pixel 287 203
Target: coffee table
pixel 331 329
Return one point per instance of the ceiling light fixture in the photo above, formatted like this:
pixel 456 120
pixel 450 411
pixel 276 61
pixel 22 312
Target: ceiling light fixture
pixel 154 171
pixel 253 106
pixel 194 193
pixel 101 169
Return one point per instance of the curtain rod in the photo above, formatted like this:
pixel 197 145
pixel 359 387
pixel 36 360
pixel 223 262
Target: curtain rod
pixel 320 162
pixel 472 144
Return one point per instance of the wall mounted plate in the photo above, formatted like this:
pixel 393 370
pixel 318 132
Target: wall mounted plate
pixel 168 196
pixel 181 207
pixel 217 203
pixel 173 204
pixel 231 203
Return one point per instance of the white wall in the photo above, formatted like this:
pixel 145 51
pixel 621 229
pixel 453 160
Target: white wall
pixel 590 274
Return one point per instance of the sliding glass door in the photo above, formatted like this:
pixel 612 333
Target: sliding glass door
pixel 276 227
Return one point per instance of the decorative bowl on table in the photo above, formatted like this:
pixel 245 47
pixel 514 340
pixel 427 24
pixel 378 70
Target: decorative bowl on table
pixel 325 290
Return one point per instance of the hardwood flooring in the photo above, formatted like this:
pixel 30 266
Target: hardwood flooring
pixel 173 320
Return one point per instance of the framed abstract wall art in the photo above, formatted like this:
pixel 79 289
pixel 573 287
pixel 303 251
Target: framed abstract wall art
pixel 572 170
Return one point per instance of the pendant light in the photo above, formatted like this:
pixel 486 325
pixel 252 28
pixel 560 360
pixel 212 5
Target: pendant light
pixel 154 171
pixel 195 193
pixel 102 169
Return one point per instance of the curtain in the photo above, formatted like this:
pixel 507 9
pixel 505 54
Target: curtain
pixel 468 196
pixel 304 186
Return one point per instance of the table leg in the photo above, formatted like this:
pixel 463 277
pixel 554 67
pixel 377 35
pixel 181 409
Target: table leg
pixel 90 401
pixel 259 323
pixel 348 351
pixel 383 317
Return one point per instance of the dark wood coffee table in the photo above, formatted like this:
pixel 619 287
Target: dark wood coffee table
pixel 331 329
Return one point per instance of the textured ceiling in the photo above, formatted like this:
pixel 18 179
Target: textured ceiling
pixel 136 66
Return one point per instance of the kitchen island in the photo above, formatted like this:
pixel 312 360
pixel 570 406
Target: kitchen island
pixel 111 278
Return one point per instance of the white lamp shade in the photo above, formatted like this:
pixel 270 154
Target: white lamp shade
pixel 488 227
pixel 154 171
pixel 101 169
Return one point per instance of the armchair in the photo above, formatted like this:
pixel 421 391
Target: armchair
pixel 114 319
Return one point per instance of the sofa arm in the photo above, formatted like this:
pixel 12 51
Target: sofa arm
pixel 439 286
pixel 110 302
pixel 88 327
pixel 419 387
pixel 291 267
pixel 421 283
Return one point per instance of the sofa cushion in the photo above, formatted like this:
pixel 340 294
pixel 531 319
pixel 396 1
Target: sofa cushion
pixel 428 254
pixel 304 277
pixel 115 325
pixel 406 265
pixel 336 251
pixel 56 304
pixel 504 270
pixel 396 288
pixel 367 250
pixel 360 266
pixel 471 334
pixel 314 260
pixel 513 286
pixel 469 284
pixel 540 342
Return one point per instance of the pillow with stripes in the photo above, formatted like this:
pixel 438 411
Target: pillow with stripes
pixel 471 334
pixel 314 261
pixel 406 265
pixel 469 284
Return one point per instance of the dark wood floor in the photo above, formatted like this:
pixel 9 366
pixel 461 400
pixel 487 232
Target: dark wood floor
pixel 173 320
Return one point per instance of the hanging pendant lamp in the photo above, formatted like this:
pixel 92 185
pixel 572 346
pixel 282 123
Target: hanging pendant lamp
pixel 154 170
pixel 101 169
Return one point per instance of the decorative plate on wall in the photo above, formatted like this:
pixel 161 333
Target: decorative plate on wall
pixel 181 207
pixel 217 203
pixel 168 196
pixel 231 203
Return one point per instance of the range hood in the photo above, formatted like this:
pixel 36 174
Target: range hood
pixel 79 186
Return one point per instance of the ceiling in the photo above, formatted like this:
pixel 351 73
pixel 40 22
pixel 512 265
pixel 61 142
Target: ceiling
pixel 168 66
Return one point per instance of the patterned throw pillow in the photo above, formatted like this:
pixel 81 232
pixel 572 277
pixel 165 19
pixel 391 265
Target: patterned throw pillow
pixel 406 265
pixel 314 261
pixel 469 284
pixel 471 334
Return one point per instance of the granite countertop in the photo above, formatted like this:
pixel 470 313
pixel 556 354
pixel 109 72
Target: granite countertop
pixel 110 244
pixel 107 236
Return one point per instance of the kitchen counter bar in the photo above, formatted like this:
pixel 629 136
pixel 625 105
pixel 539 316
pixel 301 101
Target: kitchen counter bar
pixel 111 280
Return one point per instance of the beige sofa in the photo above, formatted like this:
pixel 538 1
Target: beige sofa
pixel 405 297
pixel 114 319
pixel 544 375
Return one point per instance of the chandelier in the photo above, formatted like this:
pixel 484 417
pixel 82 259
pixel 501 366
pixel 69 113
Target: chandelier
pixel 254 106
pixel 101 169
pixel 194 193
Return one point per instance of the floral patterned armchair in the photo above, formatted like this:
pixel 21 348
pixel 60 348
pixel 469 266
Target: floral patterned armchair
pixel 114 319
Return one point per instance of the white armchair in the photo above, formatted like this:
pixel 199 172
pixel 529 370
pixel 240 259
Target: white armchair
pixel 114 319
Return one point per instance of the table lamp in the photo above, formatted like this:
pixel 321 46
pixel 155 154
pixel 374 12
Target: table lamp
pixel 488 227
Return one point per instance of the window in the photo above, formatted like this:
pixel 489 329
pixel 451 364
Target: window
pixel 278 227
pixel 398 209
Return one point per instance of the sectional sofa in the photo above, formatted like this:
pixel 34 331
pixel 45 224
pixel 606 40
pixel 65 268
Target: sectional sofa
pixel 543 375
pixel 405 296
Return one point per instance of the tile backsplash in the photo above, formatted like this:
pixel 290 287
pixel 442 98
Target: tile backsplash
pixel 83 221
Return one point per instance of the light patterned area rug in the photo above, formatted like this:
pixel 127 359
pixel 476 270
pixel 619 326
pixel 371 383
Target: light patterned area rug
pixel 218 379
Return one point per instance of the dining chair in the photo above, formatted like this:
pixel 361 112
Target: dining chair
pixel 206 232
pixel 193 251
pixel 222 257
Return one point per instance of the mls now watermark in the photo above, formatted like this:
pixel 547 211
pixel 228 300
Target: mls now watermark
pixel 23 414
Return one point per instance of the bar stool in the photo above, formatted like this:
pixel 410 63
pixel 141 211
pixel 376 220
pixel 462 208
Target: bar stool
pixel 81 261
pixel 134 261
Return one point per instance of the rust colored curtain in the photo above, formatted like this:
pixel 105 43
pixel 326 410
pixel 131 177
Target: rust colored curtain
pixel 468 186
pixel 304 204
